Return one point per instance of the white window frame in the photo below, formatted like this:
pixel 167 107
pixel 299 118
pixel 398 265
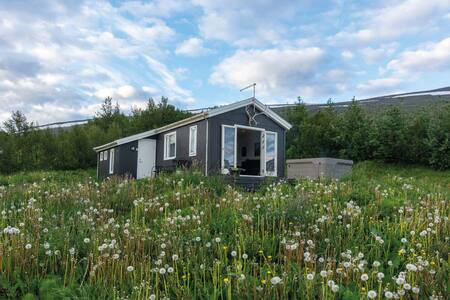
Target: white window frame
pixel 223 147
pixel 275 171
pixel 105 155
pixel 111 161
pixel 166 145
pixel 101 155
pixel 193 135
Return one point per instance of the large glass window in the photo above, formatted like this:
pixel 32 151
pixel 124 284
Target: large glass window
pixel 271 153
pixel 170 145
pixel 193 140
pixel 229 147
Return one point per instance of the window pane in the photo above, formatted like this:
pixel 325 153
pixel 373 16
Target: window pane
pixel 193 140
pixel 172 150
pixel 270 152
pixel 228 152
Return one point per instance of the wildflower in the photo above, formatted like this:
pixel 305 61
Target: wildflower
pixel 170 270
pixel 162 271
pixel 217 239
pixel 72 251
pixel 233 253
pixel 226 280
pixel 372 294
pixel 28 246
pixel 376 264
pixel 174 257
pixel 86 240
pixel 415 290
pixel 380 275
pixel 388 294
pixel 275 280
pixel 411 267
pixel 46 245
pixel 364 277
pixel 407 286
pixel 130 269
pixel 244 256
pixel 310 276
pixel 400 281
pixel 335 288
pixel 323 273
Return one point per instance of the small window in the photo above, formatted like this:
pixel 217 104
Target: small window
pixel 101 156
pixel 170 145
pixel 111 161
pixel 193 140
pixel 105 155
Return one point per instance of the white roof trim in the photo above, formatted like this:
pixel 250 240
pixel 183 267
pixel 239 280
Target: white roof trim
pixel 214 112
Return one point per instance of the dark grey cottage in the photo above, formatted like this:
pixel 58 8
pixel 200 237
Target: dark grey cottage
pixel 245 138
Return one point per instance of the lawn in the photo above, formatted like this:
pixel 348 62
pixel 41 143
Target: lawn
pixel 383 232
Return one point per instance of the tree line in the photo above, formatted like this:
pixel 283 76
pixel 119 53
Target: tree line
pixel 24 148
pixel 391 135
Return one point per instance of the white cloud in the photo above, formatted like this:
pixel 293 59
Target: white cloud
pixel 373 55
pixel 433 57
pixel 192 47
pixel 393 20
pixel 278 72
pixel 68 56
pixel 246 23
pixel 380 86
pixel 346 54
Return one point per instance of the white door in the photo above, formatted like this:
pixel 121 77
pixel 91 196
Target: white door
pixel 146 158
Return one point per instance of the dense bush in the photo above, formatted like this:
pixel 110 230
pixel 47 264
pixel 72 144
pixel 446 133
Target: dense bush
pixel 23 147
pixel 390 135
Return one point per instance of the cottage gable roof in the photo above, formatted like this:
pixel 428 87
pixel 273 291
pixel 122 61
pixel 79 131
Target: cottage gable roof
pixel 198 117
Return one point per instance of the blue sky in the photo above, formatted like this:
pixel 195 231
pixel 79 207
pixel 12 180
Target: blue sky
pixel 60 59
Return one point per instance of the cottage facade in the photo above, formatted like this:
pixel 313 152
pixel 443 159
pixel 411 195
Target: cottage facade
pixel 245 138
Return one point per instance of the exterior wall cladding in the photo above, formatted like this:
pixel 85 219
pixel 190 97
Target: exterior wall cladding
pixel 125 159
pixel 239 117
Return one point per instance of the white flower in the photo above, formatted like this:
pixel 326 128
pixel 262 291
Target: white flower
pixel 364 277
pixel 407 286
pixel 310 276
pixel 46 245
pixel 28 246
pixel 400 280
pixel 152 297
pixel 86 240
pixel 372 294
pixel 170 269
pixel 415 290
pixel 233 253
pixel 376 264
pixel 388 294
pixel 335 288
pixel 244 256
pixel 323 273
pixel 72 251
pixel 380 275
pixel 174 257
pixel 404 240
pixel 217 239
pixel 130 268
pixel 275 280
pixel 162 271
pixel 411 267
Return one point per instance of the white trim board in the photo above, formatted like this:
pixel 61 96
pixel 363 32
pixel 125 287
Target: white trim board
pixel 202 116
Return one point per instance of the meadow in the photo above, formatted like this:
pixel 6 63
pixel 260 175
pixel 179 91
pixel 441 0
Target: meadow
pixel 381 233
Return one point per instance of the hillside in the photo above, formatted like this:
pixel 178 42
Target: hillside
pixel 410 102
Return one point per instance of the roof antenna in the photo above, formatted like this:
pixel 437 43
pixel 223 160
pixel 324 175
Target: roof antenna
pixel 249 86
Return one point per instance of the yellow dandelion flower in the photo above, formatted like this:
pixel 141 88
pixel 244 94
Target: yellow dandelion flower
pixel 263 281
pixel 226 280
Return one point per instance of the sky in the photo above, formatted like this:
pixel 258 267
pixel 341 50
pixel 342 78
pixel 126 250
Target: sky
pixel 60 59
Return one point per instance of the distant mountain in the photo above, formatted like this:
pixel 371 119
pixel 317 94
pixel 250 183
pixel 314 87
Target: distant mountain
pixel 407 101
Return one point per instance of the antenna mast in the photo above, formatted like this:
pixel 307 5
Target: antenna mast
pixel 249 86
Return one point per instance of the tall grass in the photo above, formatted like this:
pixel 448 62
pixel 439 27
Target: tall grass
pixel 382 232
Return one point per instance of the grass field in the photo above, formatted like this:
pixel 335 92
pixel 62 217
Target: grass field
pixel 381 233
